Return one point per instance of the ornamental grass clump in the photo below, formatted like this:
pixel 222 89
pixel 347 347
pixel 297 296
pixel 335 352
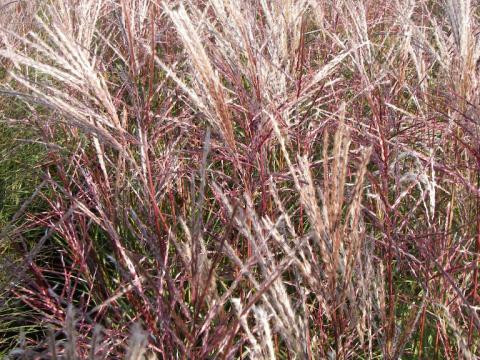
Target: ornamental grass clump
pixel 240 179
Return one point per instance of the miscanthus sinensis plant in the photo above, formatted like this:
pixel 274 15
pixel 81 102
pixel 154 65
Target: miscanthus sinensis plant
pixel 291 179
